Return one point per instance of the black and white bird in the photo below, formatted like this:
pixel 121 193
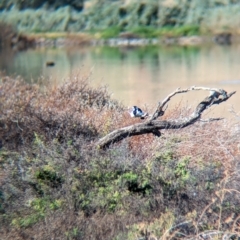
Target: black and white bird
pixel 137 112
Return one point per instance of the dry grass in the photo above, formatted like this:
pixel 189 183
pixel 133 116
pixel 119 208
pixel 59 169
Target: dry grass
pixel 56 184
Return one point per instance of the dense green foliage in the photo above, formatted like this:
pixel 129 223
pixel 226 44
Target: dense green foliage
pixel 52 16
pixel 35 4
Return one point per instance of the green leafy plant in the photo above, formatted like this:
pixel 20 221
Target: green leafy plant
pixel 145 31
pixel 179 31
pixel 111 32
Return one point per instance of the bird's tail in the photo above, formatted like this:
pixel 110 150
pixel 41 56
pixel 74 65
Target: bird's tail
pixel 144 115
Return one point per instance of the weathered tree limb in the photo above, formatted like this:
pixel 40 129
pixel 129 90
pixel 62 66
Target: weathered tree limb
pixel 153 125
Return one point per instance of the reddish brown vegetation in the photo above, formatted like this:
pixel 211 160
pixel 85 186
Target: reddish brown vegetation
pixel 55 184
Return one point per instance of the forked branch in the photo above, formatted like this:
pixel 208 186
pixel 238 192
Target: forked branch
pixel 152 125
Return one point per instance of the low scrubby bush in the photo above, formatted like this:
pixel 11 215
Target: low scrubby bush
pixel 56 183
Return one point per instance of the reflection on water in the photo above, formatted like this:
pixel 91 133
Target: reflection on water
pixel 143 75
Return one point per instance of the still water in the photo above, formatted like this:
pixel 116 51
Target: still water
pixel 137 76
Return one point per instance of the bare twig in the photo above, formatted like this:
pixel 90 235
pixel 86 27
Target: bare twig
pixel 210 120
pixel 174 227
pixel 215 234
pixel 154 126
pixel 16 121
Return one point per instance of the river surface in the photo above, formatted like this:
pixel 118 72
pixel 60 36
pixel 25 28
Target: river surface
pixel 140 76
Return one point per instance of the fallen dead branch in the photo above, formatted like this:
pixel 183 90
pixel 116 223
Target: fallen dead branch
pixel 152 125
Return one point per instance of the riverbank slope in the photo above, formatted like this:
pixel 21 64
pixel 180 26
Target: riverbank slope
pixel 108 19
pixel 55 182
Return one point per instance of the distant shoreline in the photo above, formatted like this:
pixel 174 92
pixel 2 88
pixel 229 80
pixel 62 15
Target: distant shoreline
pixel 124 23
pixel 83 39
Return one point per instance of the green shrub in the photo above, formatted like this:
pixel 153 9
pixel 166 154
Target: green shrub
pixel 24 222
pixel 40 207
pixel 179 31
pixel 145 31
pixel 49 177
pixel 111 32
